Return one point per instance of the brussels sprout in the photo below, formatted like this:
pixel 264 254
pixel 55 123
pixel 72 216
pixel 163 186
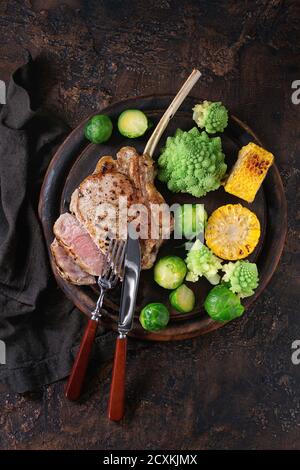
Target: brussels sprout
pixel 133 123
pixel 190 220
pixel 182 299
pixel 223 305
pixel 98 129
pixel 154 317
pixel 169 272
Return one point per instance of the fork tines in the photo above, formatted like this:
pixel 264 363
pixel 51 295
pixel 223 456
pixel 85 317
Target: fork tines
pixel 114 260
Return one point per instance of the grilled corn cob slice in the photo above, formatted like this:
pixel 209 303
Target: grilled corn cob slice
pixel 249 172
pixel 232 232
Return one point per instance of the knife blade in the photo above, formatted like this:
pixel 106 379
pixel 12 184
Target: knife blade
pixel 132 267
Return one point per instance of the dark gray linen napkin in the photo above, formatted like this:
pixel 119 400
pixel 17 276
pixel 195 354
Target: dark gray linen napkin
pixel 41 329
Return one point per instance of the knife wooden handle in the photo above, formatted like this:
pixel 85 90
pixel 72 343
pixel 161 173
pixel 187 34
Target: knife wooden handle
pixel 77 376
pixel 117 390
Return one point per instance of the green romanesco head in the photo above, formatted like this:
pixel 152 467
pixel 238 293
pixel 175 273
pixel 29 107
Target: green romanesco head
pixel 242 277
pixel 192 162
pixel 200 262
pixel 212 116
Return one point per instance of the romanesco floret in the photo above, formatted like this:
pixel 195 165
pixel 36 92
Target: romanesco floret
pixel 213 117
pixel 242 277
pixel 200 262
pixel 192 162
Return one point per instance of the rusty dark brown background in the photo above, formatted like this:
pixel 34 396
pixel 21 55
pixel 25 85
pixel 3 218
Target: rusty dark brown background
pixel 234 388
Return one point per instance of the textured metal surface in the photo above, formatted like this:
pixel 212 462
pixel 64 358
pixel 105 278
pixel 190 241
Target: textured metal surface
pixel 233 388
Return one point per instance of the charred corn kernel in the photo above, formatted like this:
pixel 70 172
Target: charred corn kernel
pixel 249 172
pixel 232 232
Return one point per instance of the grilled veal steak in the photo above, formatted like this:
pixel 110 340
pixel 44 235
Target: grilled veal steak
pixel 73 237
pixel 132 176
pixel 67 268
pixel 81 239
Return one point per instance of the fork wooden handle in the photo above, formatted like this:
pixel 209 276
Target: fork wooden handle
pixel 117 390
pixel 77 376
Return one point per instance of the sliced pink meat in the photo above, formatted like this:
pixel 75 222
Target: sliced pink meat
pixel 79 244
pixel 67 267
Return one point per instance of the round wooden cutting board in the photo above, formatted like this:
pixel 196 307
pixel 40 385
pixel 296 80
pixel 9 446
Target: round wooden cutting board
pixel 76 158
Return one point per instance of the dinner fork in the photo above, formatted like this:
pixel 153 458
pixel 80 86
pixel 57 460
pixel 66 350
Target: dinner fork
pixel 111 272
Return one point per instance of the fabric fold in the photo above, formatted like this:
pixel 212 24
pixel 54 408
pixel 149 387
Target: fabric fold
pixel 40 327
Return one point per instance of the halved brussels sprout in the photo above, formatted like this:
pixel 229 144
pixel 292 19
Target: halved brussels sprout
pixel 182 299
